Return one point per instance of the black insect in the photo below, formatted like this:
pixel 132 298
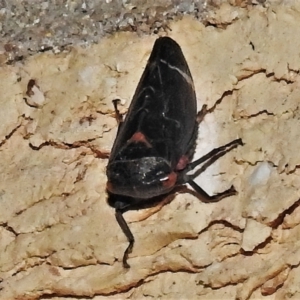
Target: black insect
pixel 154 145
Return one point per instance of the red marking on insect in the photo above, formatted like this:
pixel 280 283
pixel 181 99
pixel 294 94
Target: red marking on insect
pixel 109 186
pixel 170 182
pixel 139 137
pixel 182 163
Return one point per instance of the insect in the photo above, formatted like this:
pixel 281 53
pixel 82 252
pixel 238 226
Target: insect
pixel 155 143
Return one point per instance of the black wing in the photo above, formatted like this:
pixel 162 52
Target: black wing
pixel 163 108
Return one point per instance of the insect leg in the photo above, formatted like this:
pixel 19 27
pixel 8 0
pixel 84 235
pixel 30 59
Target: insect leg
pixel 215 198
pixel 209 159
pixel 119 117
pixel 124 226
pixel 213 155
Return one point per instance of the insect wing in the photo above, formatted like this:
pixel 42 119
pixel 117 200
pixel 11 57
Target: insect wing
pixel 163 108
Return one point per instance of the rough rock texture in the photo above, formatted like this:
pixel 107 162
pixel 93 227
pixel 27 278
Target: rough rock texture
pixel 59 238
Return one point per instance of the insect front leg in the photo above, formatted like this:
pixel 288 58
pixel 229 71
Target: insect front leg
pixel 122 204
pixel 125 228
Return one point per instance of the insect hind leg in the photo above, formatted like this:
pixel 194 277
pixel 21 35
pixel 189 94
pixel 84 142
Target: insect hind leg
pixel 209 159
pixel 214 154
pixel 215 198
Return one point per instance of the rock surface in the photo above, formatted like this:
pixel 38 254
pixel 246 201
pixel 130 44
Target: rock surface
pixel 59 237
